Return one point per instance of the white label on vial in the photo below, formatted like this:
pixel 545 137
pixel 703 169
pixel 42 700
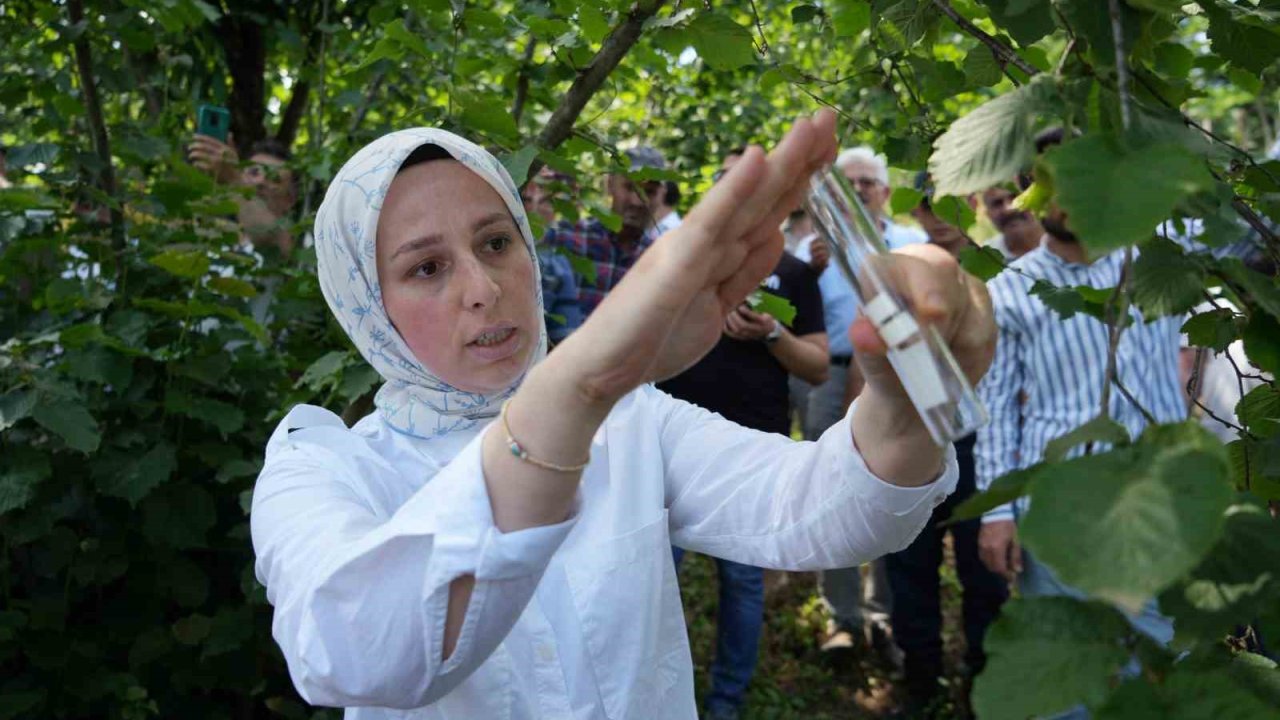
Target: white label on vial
pixel 881 308
pixel 898 330
pixel 919 375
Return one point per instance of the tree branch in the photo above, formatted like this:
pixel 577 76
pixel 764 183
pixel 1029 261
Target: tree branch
pixel 1116 315
pixel 590 78
pixel 1122 63
pixel 101 141
pixel 1001 50
pixel 369 95
pixel 522 81
pixel 297 107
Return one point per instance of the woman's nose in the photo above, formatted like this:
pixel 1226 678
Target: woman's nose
pixel 480 287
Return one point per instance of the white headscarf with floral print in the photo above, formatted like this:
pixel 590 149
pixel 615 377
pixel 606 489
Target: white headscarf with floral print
pixel 413 400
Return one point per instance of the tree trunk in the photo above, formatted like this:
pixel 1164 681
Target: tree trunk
pixel 245 49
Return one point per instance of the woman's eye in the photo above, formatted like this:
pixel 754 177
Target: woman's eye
pixel 427 269
pixel 497 243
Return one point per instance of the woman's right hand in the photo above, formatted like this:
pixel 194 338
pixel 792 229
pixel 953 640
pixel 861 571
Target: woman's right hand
pixel 670 308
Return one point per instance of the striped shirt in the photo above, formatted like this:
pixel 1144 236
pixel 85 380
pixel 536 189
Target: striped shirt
pixel 1046 379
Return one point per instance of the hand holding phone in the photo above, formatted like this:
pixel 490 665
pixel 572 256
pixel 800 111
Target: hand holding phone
pixel 213 121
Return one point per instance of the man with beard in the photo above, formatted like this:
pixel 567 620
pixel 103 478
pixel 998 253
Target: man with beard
pixel 1046 380
pixel 1020 232
pixel 614 253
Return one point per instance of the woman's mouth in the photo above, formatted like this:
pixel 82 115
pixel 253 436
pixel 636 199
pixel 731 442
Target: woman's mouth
pixel 495 344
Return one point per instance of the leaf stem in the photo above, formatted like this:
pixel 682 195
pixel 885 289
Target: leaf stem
pixel 1117 313
pixel 1122 64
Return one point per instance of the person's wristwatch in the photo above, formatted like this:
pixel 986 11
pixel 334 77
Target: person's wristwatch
pixel 774 334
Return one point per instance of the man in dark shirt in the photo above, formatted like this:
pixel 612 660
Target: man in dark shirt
pixel 744 378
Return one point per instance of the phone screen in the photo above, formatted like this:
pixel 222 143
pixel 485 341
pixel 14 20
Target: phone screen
pixel 213 121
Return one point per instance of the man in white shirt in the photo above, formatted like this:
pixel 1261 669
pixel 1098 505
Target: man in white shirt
pixel 851 605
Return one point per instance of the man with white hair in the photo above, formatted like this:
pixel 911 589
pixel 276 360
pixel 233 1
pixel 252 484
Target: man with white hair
pixel 851 605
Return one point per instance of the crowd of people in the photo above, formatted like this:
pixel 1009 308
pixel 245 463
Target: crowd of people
pixel 796 378
pixel 1045 381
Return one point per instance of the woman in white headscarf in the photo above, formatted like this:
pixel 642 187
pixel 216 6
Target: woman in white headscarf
pixel 494 541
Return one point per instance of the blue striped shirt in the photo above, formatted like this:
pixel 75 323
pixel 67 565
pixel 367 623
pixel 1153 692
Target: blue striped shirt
pixel 1046 379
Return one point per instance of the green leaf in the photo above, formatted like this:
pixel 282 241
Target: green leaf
pixel 178 515
pixel 1255 465
pixel 324 371
pixel 183 263
pixel 1048 654
pixel 100 365
pixel 583 267
pixel 1101 429
pixel 70 420
pixel 191 630
pixel 1232 583
pixel 1115 197
pixel 1245 45
pixel 20 703
pixel 801 14
pixel 227 418
pixel 721 42
pixel 1189 693
pixel 232 287
pixel 1069 300
pixel 994 142
pixel 518 162
pixel 781 309
pixel 595 26
pixel 981 67
pixel 983 263
pixel 904 200
pixel 607 217
pixel 1025 22
pixel 1260 674
pixel 1259 289
pixel 1139 516
pixel 14 406
pixel 488 114
pixel 1166 281
pixel 1214 329
pixel 1259 410
pixel 954 211
pixel 1005 489
pixel 19 200
pixel 850 17
pixel 23 471
pixel 141 475
pixel 1262 343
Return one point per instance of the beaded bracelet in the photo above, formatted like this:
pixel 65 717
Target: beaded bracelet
pixel 520 453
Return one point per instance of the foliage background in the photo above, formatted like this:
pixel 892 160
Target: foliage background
pixel 139 375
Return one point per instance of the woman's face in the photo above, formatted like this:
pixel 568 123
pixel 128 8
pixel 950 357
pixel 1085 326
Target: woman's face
pixel 456 278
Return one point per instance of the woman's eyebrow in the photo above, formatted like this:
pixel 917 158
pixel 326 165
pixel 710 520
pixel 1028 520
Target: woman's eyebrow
pixel 490 219
pixel 434 239
pixel 417 244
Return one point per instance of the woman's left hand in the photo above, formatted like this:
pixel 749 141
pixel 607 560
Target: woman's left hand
pixel 886 427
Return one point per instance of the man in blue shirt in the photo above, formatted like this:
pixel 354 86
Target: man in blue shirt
pixel 559 285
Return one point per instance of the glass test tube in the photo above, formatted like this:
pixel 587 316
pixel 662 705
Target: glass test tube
pixel 929 373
